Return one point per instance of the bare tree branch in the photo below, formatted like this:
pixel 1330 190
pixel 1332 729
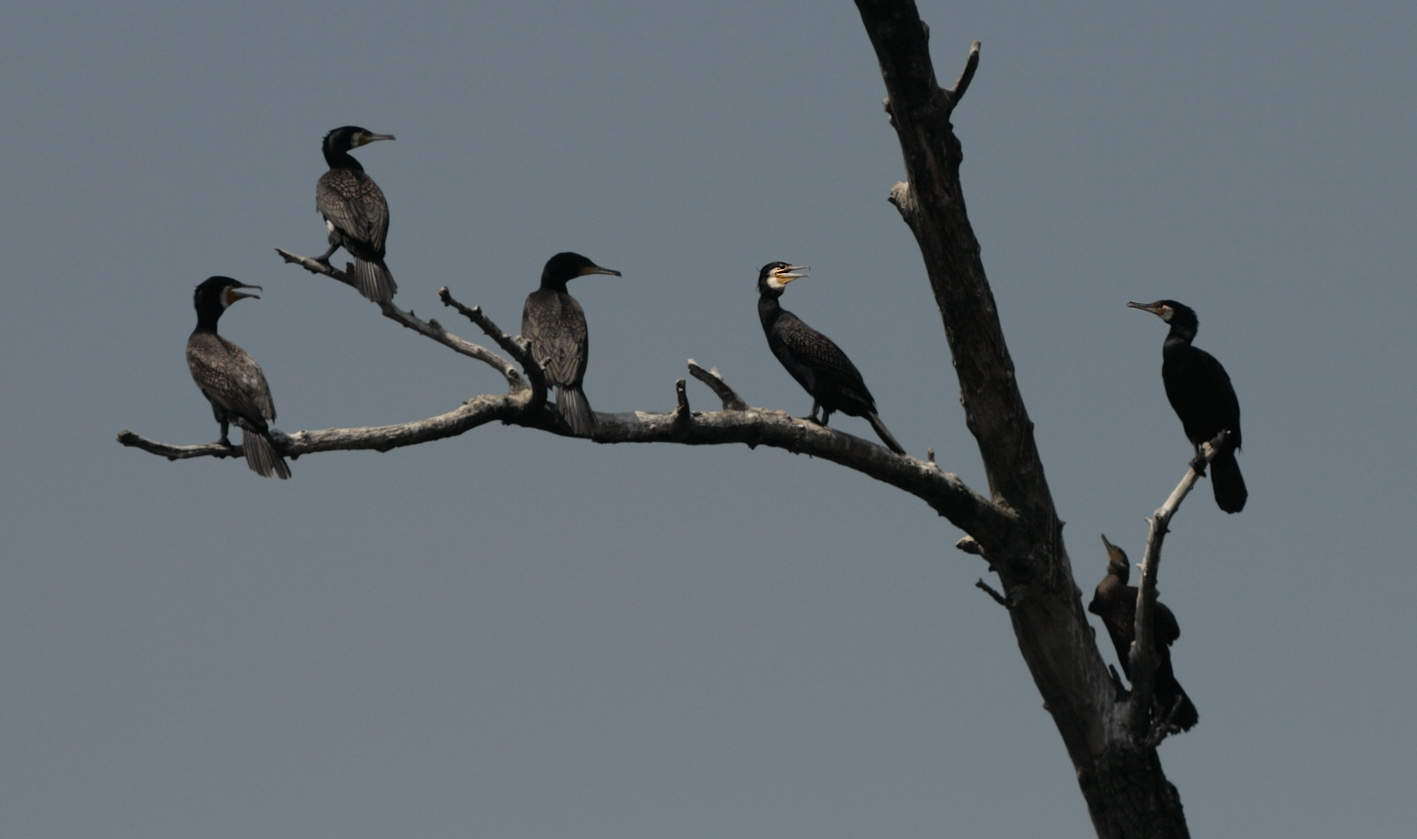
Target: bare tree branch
pixel 966 75
pixel 1126 791
pixel 1017 530
pixel 943 492
pixel 1143 657
pixel 989 590
pixel 471 414
pixel 730 398
pixel 428 329
pixel 681 399
pixel 171 452
pixel 526 406
pixel 514 346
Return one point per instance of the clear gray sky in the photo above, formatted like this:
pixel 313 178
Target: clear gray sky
pixel 515 635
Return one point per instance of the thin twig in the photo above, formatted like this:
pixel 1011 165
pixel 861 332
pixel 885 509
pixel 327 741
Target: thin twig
pixel 731 400
pixel 171 452
pixel 989 590
pixel 681 400
pixel 969 544
pixel 966 75
pixel 514 346
pixel 315 266
pixel 429 329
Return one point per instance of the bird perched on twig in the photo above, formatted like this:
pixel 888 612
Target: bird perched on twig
pixel 231 380
pixel 813 359
pixel 1116 603
pixel 1200 392
pixel 554 325
pixel 356 213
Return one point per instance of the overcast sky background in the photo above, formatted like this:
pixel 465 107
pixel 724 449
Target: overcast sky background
pixel 511 634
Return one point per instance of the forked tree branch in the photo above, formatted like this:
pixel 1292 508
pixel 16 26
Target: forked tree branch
pixel 1017 531
pixel 525 405
pixel 429 329
pixel 942 491
pixel 516 347
pixel 1143 659
pixel 730 398
pixel 1126 791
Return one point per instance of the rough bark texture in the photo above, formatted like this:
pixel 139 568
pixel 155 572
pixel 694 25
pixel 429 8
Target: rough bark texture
pixel 1127 794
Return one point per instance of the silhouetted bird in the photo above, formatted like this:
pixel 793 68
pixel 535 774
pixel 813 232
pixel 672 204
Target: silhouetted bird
pixel 813 359
pixel 356 214
pixel 554 324
pixel 1202 396
pixel 1116 603
pixel 231 380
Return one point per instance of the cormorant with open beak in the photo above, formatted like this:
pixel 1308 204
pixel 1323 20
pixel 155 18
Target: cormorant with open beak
pixel 231 380
pixel 813 359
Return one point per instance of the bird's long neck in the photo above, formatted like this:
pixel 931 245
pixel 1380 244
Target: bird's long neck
pixel 339 158
pixel 1179 338
pixel 552 284
pixel 1183 330
pixel 769 309
pixel 207 318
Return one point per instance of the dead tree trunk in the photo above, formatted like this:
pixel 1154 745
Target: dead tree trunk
pixel 1121 778
pixel 1110 737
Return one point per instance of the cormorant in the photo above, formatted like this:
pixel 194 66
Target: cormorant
pixel 1201 394
pixel 231 380
pixel 813 359
pixel 554 324
pixel 356 214
pixel 1116 603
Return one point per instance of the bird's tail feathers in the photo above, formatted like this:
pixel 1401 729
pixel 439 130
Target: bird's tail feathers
pixel 374 280
pixel 1167 695
pixel 575 410
pixel 1228 483
pixel 261 456
pixel 884 433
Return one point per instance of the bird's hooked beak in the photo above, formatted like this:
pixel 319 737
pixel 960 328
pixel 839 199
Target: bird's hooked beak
pixel 778 278
pixel 364 138
pixel 596 269
pixel 232 295
pixel 791 272
pixel 1163 312
pixel 1114 553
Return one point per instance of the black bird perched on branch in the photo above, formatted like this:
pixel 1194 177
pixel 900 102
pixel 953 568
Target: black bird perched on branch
pixel 231 380
pixel 813 359
pixel 554 325
pixel 356 214
pixel 1201 394
pixel 1116 603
